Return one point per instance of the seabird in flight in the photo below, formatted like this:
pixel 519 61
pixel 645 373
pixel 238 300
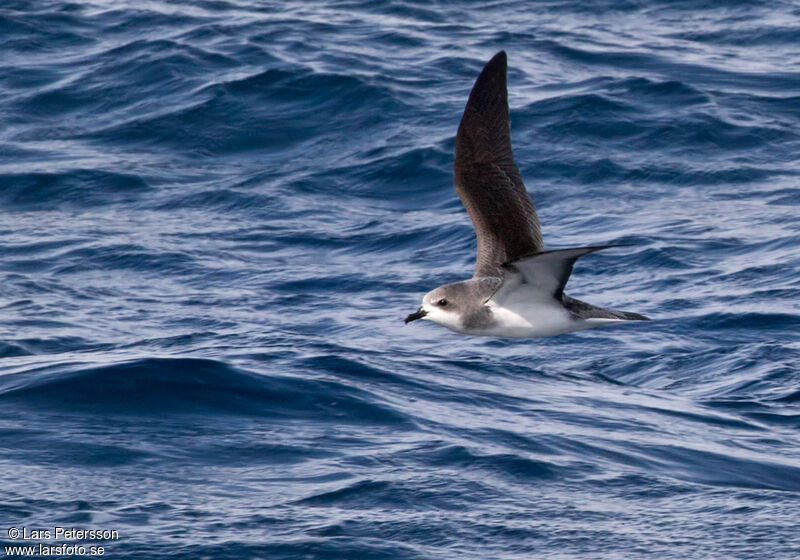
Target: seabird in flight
pixel 517 289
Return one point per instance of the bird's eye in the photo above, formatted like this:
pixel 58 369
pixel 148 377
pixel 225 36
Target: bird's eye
pixel 442 302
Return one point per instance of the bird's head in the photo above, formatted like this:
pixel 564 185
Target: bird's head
pixel 446 305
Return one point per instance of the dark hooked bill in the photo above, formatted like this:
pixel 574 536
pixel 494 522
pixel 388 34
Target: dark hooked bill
pixel 418 314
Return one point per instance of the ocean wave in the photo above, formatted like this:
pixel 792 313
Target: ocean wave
pixel 270 110
pixel 74 187
pixel 156 386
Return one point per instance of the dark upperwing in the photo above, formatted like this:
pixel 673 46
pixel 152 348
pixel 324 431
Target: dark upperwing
pixel 487 179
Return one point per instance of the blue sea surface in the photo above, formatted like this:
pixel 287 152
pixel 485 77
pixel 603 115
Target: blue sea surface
pixel 214 215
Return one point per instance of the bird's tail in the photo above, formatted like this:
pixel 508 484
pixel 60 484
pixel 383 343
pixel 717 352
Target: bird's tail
pixel 583 310
pixel 628 315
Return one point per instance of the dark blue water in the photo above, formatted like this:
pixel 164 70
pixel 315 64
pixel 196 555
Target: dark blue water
pixel 214 216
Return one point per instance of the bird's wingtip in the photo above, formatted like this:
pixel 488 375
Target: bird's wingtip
pixel 500 58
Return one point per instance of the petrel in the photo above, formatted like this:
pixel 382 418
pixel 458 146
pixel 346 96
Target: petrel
pixel 517 289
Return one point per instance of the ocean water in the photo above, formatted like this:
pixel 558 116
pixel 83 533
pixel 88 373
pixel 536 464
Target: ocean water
pixel 215 214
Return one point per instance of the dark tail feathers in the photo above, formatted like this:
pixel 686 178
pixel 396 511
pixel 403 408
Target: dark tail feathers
pixel 582 310
pixel 628 315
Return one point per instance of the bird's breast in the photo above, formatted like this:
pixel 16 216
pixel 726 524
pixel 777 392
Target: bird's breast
pixel 530 319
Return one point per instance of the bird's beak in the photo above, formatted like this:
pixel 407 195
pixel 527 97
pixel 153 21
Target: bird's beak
pixel 418 314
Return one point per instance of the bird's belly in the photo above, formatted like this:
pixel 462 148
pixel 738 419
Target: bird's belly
pixel 517 319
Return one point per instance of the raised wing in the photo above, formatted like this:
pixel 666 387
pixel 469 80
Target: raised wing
pixel 487 179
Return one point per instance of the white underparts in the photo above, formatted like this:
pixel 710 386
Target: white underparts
pixel 525 310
